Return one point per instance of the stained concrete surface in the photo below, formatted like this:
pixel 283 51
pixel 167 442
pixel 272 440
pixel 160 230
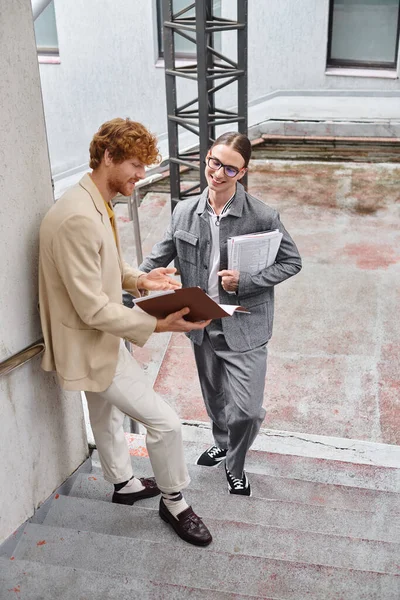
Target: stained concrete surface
pixel 242 574
pixel 33 581
pixel 230 536
pixel 296 536
pixel 333 365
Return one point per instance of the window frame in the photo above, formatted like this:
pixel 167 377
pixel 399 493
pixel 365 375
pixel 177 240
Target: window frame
pixel 357 64
pixel 159 29
pixel 180 55
pixel 47 53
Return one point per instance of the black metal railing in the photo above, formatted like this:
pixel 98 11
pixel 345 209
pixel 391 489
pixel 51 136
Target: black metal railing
pixel 212 71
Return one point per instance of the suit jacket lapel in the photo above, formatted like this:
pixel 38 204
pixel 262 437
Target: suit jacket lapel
pixel 88 184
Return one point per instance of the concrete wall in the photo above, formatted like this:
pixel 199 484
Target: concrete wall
pixel 108 54
pixel 42 437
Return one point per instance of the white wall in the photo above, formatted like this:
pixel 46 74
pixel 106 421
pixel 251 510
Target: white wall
pixel 288 48
pixel 42 437
pixel 107 69
pixel 108 53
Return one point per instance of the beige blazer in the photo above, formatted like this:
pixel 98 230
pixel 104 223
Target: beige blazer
pixel 81 278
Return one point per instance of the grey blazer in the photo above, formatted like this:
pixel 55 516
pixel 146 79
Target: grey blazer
pixel 189 238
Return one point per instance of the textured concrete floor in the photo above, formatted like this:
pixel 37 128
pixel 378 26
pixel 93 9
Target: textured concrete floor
pixel 334 357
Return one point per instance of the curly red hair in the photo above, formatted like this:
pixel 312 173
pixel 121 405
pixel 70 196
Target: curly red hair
pixel 124 139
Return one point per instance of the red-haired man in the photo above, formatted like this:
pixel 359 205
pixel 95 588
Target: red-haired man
pixel 81 279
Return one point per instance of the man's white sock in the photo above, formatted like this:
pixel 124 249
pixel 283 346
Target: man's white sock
pixel 175 503
pixel 132 486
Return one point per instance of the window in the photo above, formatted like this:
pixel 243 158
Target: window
pixel 46 32
pixel 184 48
pixel 364 33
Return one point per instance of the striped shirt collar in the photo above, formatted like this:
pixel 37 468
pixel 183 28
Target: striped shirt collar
pixel 225 208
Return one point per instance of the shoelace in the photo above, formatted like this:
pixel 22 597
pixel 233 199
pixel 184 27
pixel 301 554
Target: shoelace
pixel 237 484
pixel 214 451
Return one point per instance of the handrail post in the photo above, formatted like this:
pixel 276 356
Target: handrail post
pixel 133 206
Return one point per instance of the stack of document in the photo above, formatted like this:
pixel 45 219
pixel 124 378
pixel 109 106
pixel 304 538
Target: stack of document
pixel 253 252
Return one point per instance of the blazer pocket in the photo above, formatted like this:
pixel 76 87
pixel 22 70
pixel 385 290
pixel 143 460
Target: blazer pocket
pixel 73 352
pixel 186 246
pixel 253 301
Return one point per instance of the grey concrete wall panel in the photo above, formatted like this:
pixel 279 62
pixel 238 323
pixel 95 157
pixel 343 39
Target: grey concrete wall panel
pixel 42 438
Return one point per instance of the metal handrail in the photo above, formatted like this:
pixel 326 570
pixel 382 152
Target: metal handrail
pixel 15 361
pixel 133 205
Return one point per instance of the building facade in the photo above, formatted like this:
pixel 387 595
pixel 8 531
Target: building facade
pixel 109 63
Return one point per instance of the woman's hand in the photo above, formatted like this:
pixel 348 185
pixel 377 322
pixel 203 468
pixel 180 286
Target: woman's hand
pixel 230 280
pixel 158 280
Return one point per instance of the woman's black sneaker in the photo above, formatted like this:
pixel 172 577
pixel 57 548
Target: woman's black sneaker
pixel 240 487
pixel 211 457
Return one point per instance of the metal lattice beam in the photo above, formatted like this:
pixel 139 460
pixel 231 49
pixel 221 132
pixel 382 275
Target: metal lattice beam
pixel 212 71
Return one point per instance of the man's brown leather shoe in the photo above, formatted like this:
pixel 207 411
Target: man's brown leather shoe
pixel 150 490
pixel 187 525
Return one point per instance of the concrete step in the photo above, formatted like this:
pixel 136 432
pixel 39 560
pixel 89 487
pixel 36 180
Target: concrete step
pixel 236 538
pixel 328 148
pixel 320 470
pixel 184 565
pixel 264 511
pixel 26 580
pixel 280 488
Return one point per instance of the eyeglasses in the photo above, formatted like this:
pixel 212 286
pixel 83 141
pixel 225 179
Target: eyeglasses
pixel 215 165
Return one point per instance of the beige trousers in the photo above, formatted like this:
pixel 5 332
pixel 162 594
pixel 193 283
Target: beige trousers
pixel 130 394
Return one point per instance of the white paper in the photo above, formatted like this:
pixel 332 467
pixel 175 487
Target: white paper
pixel 230 309
pixel 252 253
pixel 152 294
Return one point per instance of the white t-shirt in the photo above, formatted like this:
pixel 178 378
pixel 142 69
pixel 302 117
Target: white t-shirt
pixel 215 254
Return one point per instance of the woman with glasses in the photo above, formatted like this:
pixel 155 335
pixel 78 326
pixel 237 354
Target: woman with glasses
pixel 231 353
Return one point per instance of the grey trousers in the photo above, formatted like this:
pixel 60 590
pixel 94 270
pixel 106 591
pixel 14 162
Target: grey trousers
pixel 232 384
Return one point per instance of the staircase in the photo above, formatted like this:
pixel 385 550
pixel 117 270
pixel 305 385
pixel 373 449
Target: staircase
pixel 313 529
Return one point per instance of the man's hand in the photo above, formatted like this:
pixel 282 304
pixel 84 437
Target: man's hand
pixel 158 280
pixel 230 280
pixel 176 322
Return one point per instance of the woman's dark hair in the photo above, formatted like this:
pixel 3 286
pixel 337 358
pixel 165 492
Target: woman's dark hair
pixel 238 142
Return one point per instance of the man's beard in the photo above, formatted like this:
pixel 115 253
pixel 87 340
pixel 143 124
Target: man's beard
pixel 118 186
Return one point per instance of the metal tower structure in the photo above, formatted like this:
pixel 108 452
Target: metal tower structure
pixel 213 71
